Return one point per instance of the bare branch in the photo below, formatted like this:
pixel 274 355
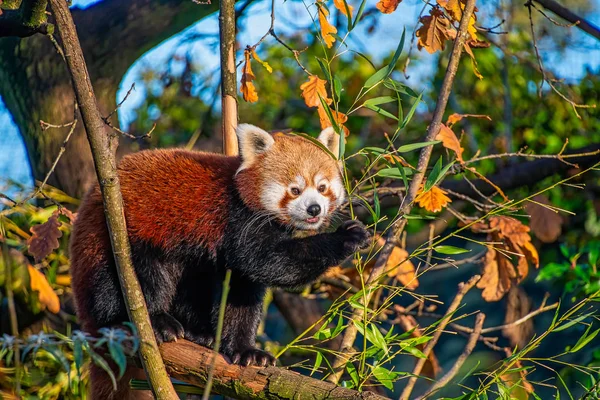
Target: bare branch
pixel 463 288
pixel 473 338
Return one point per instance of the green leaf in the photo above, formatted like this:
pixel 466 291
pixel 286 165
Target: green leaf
pixel 435 173
pixel 385 376
pixel 323 65
pixel 396 56
pixel 353 374
pixel 450 250
pixel 337 84
pixel 584 340
pixel 379 100
pixel 318 362
pixel 573 322
pixel 381 111
pixel 393 172
pixel 376 77
pixel 359 14
pixel 412 111
pixel 375 150
pixel 414 146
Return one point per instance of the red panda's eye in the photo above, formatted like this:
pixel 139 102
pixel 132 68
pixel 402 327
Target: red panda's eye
pixel 322 189
pixel 295 191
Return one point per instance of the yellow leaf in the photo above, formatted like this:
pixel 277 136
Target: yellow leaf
pixel 312 89
pixel 46 294
pixel 434 31
pixel 387 6
pixel 433 200
pixel 450 141
pixel 327 30
pixel 398 265
pixel 339 4
pixel 263 63
pixel 455 10
pixel 248 89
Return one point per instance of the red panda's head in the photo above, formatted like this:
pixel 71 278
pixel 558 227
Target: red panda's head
pixel 290 178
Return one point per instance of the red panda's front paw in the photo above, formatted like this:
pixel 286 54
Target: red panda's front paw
pixel 251 356
pixel 166 328
pixel 206 340
pixel 356 236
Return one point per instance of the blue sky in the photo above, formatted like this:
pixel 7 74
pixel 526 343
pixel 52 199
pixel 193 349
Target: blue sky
pixel 289 15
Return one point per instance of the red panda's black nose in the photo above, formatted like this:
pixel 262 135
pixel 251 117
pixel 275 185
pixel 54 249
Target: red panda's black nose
pixel 313 210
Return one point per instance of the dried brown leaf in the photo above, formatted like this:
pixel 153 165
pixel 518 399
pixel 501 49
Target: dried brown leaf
pixel 340 119
pixel 399 266
pixel 434 31
pixel 450 141
pixel 545 223
pixel 248 90
pixel 497 276
pixel 44 238
pixel 387 6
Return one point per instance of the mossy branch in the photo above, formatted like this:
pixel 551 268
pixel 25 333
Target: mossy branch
pixel 190 363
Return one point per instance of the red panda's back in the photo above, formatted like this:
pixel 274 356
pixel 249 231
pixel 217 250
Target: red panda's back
pixel 170 197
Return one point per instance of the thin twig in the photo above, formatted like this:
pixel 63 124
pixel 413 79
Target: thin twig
pixel 529 5
pixel 463 288
pixel 473 338
pixel 398 227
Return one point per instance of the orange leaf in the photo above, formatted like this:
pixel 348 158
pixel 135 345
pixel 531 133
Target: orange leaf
pixel 454 118
pixel 434 32
pixel 545 223
pixel 248 90
pixel 399 265
pixel 340 119
pixel 387 6
pixel 339 4
pixel 46 294
pixel 450 141
pixel 433 200
pixel 455 10
pixel 312 89
pixel 44 238
pixel 327 30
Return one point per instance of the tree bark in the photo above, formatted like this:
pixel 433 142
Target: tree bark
pixel 103 148
pixel 34 83
pixel 190 363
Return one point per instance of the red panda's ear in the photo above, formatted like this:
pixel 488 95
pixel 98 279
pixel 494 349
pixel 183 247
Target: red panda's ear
pixel 331 140
pixel 252 142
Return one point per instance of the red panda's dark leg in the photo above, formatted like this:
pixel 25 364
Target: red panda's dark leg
pixel 242 316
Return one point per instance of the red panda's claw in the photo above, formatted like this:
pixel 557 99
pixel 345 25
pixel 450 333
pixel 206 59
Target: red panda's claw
pixel 252 356
pixel 166 328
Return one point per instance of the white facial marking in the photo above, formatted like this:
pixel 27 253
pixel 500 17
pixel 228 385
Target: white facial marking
pixel 337 187
pixel 272 195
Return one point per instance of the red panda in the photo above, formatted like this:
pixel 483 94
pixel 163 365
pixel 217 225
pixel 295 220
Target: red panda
pixel 192 215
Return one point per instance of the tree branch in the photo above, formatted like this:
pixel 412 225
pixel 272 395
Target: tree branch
pixel 570 16
pixel 415 184
pixel 229 119
pixel 103 147
pixel 190 363
pixel 525 174
pixel 463 288
pixel 473 338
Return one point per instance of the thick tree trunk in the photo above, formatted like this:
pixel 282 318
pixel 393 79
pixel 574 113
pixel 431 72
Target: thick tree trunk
pixel 34 83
